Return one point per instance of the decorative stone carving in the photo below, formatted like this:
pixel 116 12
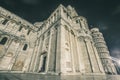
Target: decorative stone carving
pixel 9 54
pixel 1 19
pixel 18 65
pixel 2 51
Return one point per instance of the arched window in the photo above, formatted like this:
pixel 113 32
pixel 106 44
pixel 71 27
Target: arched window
pixel 5 21
pixel 66 27
pixel 28 32
pixel 20 28
pixel 48 33
pixel 77 21
pixel 72 32
pixel 25 47
pixel 3 41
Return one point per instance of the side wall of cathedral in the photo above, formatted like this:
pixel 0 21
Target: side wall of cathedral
pixel 16 42
pixel 78 54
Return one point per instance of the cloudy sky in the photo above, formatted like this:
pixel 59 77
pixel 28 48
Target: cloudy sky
pixel 104 14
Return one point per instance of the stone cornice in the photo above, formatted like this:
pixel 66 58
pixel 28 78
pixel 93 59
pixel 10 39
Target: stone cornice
pixel 12 35
pixel 11 16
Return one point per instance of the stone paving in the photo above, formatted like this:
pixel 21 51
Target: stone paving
pixel 30 76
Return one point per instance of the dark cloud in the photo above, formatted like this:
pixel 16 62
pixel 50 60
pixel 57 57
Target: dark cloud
pixel 8 2
pixel 30 2
pixel 115 52
pixel 102 26
pixel 117 10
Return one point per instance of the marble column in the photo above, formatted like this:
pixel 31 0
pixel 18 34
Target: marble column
pixel 88 65
pixel 97 58
pixel 15 56
pixel 49 51
pixel 92 56
pixel 36 63
pixel 71 51
pixel 58 50
pixel 80 56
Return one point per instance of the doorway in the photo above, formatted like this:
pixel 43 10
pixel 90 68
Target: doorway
pixel 43 63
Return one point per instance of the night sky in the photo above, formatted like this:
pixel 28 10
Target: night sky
pixel 104 14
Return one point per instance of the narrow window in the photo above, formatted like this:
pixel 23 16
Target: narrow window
pixel 55 17
pixel 72 32
pixel 20 28
pixel 43 37
pixel 58 13
pixel 81 19
pixel 67 15
pixel 5 21
pixel 48 33
pixel 25 47
pixel 28 32
pixel 66 27
pixel 76 21
pixel 3 41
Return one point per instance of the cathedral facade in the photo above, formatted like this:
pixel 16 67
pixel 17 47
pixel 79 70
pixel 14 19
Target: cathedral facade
pixel 61 44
